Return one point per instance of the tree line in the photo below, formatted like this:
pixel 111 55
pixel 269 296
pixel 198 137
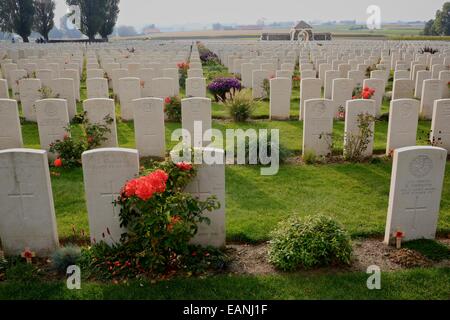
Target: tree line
pixel 24 16
pixel 440 26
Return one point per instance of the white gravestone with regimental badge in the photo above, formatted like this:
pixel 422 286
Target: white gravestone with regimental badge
pixel 415 196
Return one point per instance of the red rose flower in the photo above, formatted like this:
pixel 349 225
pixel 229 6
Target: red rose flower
pixel 58 163
pixel 168 100
pixel 184 166
pixel 130 188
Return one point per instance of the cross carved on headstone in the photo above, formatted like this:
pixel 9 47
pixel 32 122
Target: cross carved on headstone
pixel 21 195
pixel 113 195
pixel 416 210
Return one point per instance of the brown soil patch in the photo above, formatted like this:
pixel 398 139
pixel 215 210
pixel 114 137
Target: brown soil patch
pixel 253 259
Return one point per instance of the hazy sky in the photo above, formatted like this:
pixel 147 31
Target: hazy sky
pixel 173 12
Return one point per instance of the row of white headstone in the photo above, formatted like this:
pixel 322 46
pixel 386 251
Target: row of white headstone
pixel 27 213
pixel 53 119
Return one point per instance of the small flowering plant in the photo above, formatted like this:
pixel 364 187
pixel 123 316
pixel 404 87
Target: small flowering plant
pixel 223 88
pixel 364 93
pixel 183 68
pixel 69 149
pixel 172 108
pixel 160 217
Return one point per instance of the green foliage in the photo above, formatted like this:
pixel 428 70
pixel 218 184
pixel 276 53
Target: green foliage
pixel 112 13
pixel 159 228
pixel 64 257
pixel 310 242
pixel 70 149
pixel 241 106
pixel 440 26
pixel 173 108
pixel 93 15
pixel 18 270
pixel 310 157
pixel 16 16
pixel 429 248
pixel 266 89
pixel 43 18
pixel 356 144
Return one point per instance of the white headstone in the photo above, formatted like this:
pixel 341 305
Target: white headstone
pixel 415 196
pixel 318 127
pixel 149 127
pixel 403 89
pixel 440 124
pixel 98 111
pixel 309 89
pixel 196 87
pixel 129 89
pixel 27 214
pixel 10 132
pixel 53 119
pixel 403 123
pixel 105 173
pixel 64 88
pixel 195 111
pixel 97 88
pixel 431 91
pixel 280 98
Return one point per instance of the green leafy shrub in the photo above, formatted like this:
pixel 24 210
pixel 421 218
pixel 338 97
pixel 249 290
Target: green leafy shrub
pixel 309 242
pixel 18 270
pixel 160 219
pixel 241 106
pixel 310 157
pixel 64 257
pixel 70 149
pixel 172 108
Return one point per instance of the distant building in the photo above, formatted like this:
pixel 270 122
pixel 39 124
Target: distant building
pixel 299 32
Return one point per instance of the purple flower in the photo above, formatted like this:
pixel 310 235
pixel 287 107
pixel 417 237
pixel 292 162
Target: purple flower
pixel 221 86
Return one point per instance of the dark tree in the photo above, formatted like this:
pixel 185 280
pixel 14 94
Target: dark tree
pixel 441 25
pixel 112 13
pixel 43 18
pixel 92 16
pixel 429 28
pixel 16 16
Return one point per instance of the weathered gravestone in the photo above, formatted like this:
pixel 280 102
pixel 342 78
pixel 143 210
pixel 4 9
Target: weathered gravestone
pixel 129 89
pixel 162 88
pixel 102 111
pixel 341 93
pixel 318 127
pixel 258 77
pixel 4 93
pixel 354 110
pixel 27 214
pixel 440 124
pixel 210 181
pixel 105 172
pixel 403 89
pixel 64 88
pixel 97 88
pixel 53 119
pixel 195 112
pixel 10 130
pixel 149 127
pixel 29 90
pixel 196 87
pixel 415 196
pixel 379 86
pixel 280 98
pixel 431 91
pixel 403 123
pixel 309 89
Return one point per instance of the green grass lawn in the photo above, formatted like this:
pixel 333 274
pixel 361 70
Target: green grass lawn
pixel 405 285
pixel 355 194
